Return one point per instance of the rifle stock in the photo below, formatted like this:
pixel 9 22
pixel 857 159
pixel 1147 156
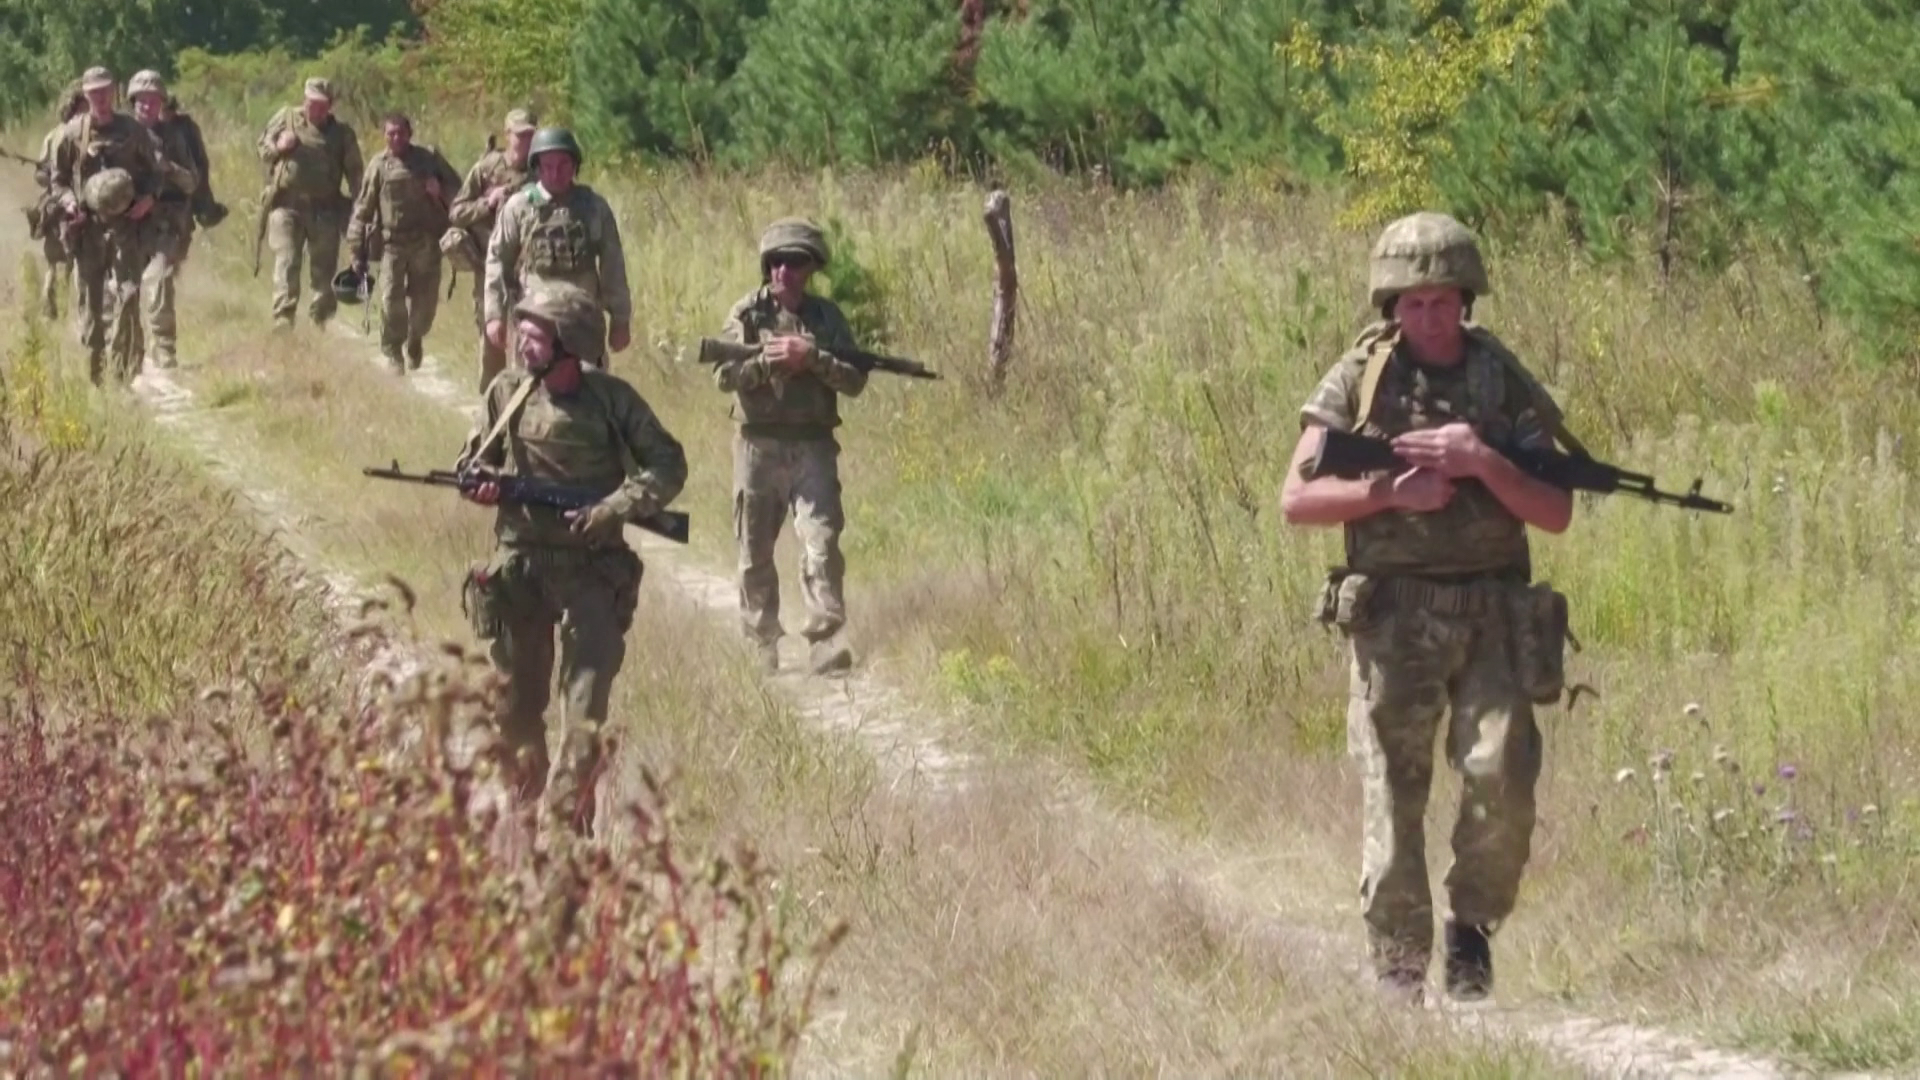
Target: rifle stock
pixel 674 525
pixel 1350 456
pixel 717 351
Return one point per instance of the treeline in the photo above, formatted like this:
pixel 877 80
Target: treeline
pixel 1686 131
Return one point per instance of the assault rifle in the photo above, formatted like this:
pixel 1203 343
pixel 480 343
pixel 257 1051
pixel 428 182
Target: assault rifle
pixel 716 351
pixel 527 491
pixel 1345 454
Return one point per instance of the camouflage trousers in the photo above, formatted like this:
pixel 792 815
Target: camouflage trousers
pixel 107 266
pixel 59 264
pixel 516 601
pixel 169 236
pixel 409 294
pixel 312 230
pixel 773 477
pixel 1414 658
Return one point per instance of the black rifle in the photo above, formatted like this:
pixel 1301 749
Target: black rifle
pixel 1345 454
pixel 672 524
pixel 716 351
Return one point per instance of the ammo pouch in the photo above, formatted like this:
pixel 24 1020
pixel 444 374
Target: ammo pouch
pixel 462 251
pixel 1346 602
pixel 1537 622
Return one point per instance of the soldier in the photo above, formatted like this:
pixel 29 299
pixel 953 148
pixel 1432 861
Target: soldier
pixel 1437 568
pixel 574 571
pixel 497 175
pixel 169 229
pixel 557 230
pixel 208 211
pixel 107 172
pixel 309 153
pixel 405 191
pixel 46 218
pixel 785 456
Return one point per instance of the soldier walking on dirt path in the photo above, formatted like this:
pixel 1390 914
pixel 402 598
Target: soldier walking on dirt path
pixel 785 456
pixel 500 172
pixel 309 153
pixel 558 230
pixel 47 221
pixel 1434 599
pixel 553 418
pixel 403 204
pixel 169 228
pixel 107 173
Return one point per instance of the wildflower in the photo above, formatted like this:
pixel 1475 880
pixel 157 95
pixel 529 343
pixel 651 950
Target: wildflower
pixel 1788 772
pixel 1698 778
pixel 1721 816
pixel 1661 762
pixel 1785 816
pixel 1725 760
pixel 1693 710
pixel 1624 775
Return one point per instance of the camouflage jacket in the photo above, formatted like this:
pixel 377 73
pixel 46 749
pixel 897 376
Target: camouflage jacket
pixel 186 131
pixel 175 147
pixel 1489 389
pixel 325 157
pixel 394 193
pixel 573 238
pixel 493 170
pixel 766 399
pixel 84 148
pixel 602 435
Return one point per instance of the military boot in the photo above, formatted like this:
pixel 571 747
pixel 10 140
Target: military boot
pixel 1469 962
pixel 394 363
pixel 416 350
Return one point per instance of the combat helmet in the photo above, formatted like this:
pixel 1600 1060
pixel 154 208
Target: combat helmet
pixel 108 192
pixel 791 234
pixel 1426 248
pixel 146 82
pixel 554 138
pixel 351 286
pixel 570 312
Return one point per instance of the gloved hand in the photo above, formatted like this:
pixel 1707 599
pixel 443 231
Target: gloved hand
pixel 599 523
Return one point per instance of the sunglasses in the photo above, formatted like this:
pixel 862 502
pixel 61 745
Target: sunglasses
pixel 790 259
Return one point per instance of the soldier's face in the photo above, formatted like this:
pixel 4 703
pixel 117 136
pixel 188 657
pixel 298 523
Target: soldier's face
pixel 100 100
pixel 556 172
pixel 1429 319
pixel 518 142
pixel 790 273
pixel 318 109
pixel 398 137
pixel 148 107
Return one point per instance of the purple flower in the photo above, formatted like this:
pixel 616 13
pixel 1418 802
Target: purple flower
pixel 1759 788
pixel 1788 772
pixel 1785 816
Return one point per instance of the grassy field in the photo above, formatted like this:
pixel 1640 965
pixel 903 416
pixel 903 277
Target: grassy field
pixel 1091 570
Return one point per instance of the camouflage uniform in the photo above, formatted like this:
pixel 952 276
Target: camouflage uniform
pixel 308 211
pixel 1428 603
pixel 785 456
pixel 46 218
pixel 544 574
pixel 573 238
pixel 410 221
pixel 108 241
pixel 169 228
pixel 475 220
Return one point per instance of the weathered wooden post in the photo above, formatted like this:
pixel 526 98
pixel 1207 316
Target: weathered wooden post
pixel 1006 288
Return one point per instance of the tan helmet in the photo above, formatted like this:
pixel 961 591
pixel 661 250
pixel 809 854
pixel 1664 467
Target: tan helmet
pixel 792 234
pixel 108 192
pixel 96 78
pixel 570 312
pixel 146 82
pixel 1426 248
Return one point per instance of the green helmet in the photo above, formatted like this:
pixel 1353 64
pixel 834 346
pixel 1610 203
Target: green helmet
pixel 570 313
pixel 146 82
pixel 1426 248
pixel 554 138
pixel 108 192
pixel 351 286
pixel 792 234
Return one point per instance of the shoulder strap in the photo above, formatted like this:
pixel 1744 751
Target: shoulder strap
pixel 1379 354
pixel 507 416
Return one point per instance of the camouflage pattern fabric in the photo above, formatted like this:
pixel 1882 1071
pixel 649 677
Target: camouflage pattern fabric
pixel 573 239
pixel 47 223
pixel 107 246
pixel 786 461
pixel 470 212
pixel 543 576
pixel 308 220
pixel 1427 607
pixel 394 199
pixel 169 232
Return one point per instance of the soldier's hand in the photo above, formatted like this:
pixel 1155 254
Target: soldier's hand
pixel 433 188
pixel 286 142
pixel 70 204
pixel 619 337
pixel 486 493
pixel 141 207
pixel 600 523
pixel 496 195
pixel 1452 451
pixel 497 333
pixel 790 352
pixel 1421 491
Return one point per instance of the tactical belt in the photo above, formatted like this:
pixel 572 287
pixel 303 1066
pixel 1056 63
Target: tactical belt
pixel 1465 596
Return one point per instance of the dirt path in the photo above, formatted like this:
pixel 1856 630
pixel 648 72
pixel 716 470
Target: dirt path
pixel 923 754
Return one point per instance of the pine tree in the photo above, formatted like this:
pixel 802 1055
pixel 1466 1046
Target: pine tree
pixel 651 77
